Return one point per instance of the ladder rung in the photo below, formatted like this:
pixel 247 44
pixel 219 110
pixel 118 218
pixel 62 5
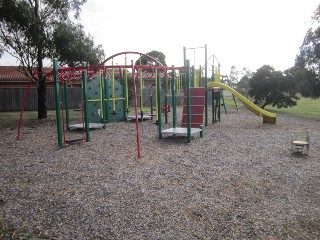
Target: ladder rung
pixel 193 123
pixel 193 114
pixel 194 96
pixel 193 105
pixel 75 140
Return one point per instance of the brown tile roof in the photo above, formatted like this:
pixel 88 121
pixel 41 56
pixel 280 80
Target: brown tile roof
pixel 11 73
pixel 11 76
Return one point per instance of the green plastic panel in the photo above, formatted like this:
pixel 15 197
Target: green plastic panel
pixel 116 110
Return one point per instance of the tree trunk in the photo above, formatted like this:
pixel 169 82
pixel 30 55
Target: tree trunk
pixel 42 98
pixel 42 85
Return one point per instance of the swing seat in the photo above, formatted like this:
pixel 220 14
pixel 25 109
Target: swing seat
pixel 300 141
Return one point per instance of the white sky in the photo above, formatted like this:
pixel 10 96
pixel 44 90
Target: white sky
pixel 244 33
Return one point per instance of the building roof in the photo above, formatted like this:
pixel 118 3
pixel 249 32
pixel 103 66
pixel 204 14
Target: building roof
pixel 12 73
pixel 13 77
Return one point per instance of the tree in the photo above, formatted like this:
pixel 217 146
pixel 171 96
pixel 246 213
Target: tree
pixel 307 64
pixel 233 76
pixel 73 52
pixel 29 32
pixel 243 84
pixel 305 81
pixel 143 60
pixel 270 87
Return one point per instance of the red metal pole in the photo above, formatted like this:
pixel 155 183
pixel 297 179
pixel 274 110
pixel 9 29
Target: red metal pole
pixel 136 109
pixel 22 107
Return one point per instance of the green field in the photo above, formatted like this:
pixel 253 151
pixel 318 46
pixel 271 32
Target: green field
pixel 306 107
pixel 11 119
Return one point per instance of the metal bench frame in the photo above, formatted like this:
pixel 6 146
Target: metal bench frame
pixel 300 141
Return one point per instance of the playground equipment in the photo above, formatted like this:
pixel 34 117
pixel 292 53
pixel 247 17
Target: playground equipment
pixel 105 98
pixel 142 114
pixel 225 79
pixel 62 141
pixel 205 75
pixel 217 92
pixel 97 95
pixel 267 117
pixel 216 104
pixel 137 74
pixel 194 102
pixel 300 141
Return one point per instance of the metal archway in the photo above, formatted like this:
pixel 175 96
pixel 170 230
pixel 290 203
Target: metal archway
pixel 131 52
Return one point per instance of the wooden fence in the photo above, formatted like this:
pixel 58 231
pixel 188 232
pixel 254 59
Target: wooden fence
pixel 11 98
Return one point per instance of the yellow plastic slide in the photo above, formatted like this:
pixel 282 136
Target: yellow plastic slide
pixel 268 117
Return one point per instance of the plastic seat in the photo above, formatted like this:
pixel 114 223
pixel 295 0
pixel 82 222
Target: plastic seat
pixel 300 141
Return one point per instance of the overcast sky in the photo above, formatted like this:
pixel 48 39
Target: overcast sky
pixel 244 33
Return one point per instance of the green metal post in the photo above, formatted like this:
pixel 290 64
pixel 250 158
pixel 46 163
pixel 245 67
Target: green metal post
pixel 202 129
pixel 85 104
pixel 206 87
pixel 193 76
pixel 151 109
pixel 213 108
pixel 140 99
pixel 166 98
pixel 219 104
pixel 57 96
pixel 235 102
pixel 159 105
pixel 66 104
pixel 105 101
pixel 173 100
pixel 224 105
pixel 108 117
pixel 125 107
pixel 188 102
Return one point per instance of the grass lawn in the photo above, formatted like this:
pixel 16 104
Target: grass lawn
pixel 11 119
pixel 306 107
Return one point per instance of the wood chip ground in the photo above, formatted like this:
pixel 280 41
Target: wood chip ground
pixel 239 181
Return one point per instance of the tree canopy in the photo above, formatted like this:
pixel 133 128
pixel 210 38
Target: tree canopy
pixel 233 76
pixel 33 31
pixel 308 61
pixel 270 87
pixel 143 60
pixel 73 47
